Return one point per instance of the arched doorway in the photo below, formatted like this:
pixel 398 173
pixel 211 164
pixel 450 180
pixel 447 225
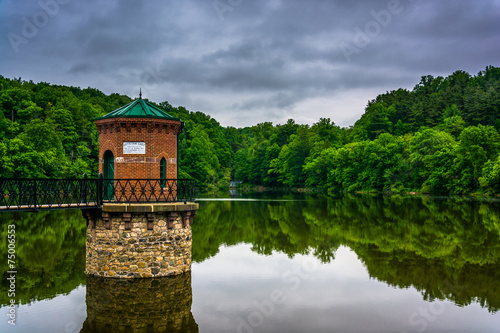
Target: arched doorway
pixel 109 174
pixel 163 172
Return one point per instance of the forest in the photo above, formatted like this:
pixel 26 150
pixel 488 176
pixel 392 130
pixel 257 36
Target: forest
pixel 441 137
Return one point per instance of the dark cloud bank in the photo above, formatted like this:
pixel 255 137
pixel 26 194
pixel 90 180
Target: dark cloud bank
pixel 243 61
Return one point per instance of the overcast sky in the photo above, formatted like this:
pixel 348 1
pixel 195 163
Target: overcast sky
pixel 249 61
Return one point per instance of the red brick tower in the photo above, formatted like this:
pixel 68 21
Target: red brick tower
pixel 138 140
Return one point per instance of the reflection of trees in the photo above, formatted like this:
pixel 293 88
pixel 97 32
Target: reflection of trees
pixel 433 277
pixel 268 225
pixel 50 254
pixel 447 249
pixel 452 231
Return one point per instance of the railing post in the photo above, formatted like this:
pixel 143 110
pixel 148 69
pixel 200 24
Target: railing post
pixel 83 189
pixel 186 190
pixel 34 194
pixel 193 192
pixel 178 189
pixel 99 190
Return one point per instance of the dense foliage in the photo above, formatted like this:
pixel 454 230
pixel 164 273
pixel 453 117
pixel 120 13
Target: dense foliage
pixel 48 131
pixel 440 137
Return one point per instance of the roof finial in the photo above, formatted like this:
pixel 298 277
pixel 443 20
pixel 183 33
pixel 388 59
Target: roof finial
pixel 140 93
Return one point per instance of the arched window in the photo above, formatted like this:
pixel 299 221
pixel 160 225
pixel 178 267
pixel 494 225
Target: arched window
pixel 163 171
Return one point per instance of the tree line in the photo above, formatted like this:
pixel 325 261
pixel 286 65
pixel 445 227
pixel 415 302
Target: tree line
pixel 440 137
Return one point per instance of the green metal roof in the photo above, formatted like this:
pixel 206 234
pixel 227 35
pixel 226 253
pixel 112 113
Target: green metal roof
pixel 138 109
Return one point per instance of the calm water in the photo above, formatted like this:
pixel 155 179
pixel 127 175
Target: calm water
pixel 287 264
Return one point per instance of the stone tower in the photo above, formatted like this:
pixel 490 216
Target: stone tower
pixel 143 228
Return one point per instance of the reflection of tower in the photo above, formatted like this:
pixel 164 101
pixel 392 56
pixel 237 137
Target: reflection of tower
pixel 139 305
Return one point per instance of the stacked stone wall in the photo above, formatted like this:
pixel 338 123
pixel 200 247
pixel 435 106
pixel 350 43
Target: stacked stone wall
pixel 138 245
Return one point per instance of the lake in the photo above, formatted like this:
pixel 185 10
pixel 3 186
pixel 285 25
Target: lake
pixel 267 263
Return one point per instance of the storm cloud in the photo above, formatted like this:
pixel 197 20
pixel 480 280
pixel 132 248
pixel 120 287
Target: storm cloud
pixel 245 62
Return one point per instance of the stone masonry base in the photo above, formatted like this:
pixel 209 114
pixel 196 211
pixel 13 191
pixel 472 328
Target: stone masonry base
pixel 139 241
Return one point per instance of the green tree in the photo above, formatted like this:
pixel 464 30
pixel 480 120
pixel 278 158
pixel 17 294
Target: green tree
pixel 291 159
pixel 432 156
pixel 200 161
pixel 477 145
pixel 490 180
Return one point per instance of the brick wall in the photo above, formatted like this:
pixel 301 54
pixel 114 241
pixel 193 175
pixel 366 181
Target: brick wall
pixel 160 136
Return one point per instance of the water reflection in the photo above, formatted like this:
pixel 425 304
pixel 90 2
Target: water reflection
pixel 50 254
pixel 146 305
pixel 446 249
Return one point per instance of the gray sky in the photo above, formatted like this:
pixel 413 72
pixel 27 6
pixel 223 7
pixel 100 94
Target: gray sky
pixel 249 61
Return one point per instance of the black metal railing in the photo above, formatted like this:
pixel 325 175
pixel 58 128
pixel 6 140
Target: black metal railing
pixel 86 193
pixel 148 190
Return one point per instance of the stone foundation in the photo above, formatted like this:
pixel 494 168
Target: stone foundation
pixel 139 241
pixel 140 306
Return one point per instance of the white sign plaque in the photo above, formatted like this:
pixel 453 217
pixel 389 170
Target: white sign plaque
pixel 134 147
